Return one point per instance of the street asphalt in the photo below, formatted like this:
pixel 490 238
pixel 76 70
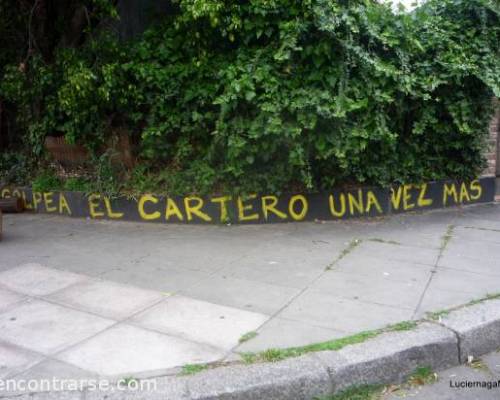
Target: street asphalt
pixel 479 380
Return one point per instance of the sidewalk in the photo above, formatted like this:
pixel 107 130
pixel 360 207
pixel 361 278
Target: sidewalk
pixel 85 298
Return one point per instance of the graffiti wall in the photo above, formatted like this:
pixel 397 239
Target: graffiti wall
pixel 259 208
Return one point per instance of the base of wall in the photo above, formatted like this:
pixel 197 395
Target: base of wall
pixel 332 205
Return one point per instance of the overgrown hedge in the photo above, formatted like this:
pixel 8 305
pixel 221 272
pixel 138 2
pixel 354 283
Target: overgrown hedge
pixel 267 95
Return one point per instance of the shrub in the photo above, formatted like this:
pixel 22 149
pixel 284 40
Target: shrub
pixel 45 181
pixel 270 95
pixel 15 168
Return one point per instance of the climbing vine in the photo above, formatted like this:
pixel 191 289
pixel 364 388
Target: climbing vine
pixel 277 94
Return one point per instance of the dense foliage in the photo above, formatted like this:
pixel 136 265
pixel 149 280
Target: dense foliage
pixel 272 94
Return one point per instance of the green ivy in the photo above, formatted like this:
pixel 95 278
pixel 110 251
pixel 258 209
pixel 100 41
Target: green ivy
pixel 268 95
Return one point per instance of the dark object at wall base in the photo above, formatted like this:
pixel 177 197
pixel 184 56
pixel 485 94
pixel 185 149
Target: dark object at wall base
pixel 12 205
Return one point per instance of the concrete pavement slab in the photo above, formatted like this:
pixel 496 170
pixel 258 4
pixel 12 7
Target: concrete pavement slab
pixel 425 219
pixel 203 261
pixel 283 333
pixel 9 298
pixel 424 230
pixel 105 298
pixel 337 313
pixel 270 271
pixel 387 358
pixel 317 246
pixel 471 234
pixel 485 211
pixel 241 293
pixel 154 277
pixel 263 268
pixel 84 264
pixel 465 263
pixel 126 350
pixel 379 290
pixel 234 246
pixel 50 368
pixel 43 375
pixel 488 220
pixel 397 271
pixel 15 359
pixel 396 252
pixel 38 280
pixel 437 299
pixel 478 250
pixel 10 259
pixel 474 283
pixel 334 235
pixel 48 328
pixel 200 321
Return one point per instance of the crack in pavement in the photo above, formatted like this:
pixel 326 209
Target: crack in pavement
pixel 446 238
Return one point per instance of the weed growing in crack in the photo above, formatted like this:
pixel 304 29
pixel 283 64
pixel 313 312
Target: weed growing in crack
pixel 350 247
pixel 247 336
pixel 445 240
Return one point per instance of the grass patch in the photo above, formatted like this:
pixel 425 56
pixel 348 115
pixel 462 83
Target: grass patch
pixel 46 181
pixel 191 369
pixel 402 326
pixel 378 240
pixel 273 355
pixel 350 247
pixel 247 336
pixel 492 296
pixel 248 358
pixel 78 184
pixel 370 392
pixel 422 376
pixel 437 315
pixel 478 364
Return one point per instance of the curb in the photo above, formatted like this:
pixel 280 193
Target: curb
pixel 388 358
pixel 477 328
